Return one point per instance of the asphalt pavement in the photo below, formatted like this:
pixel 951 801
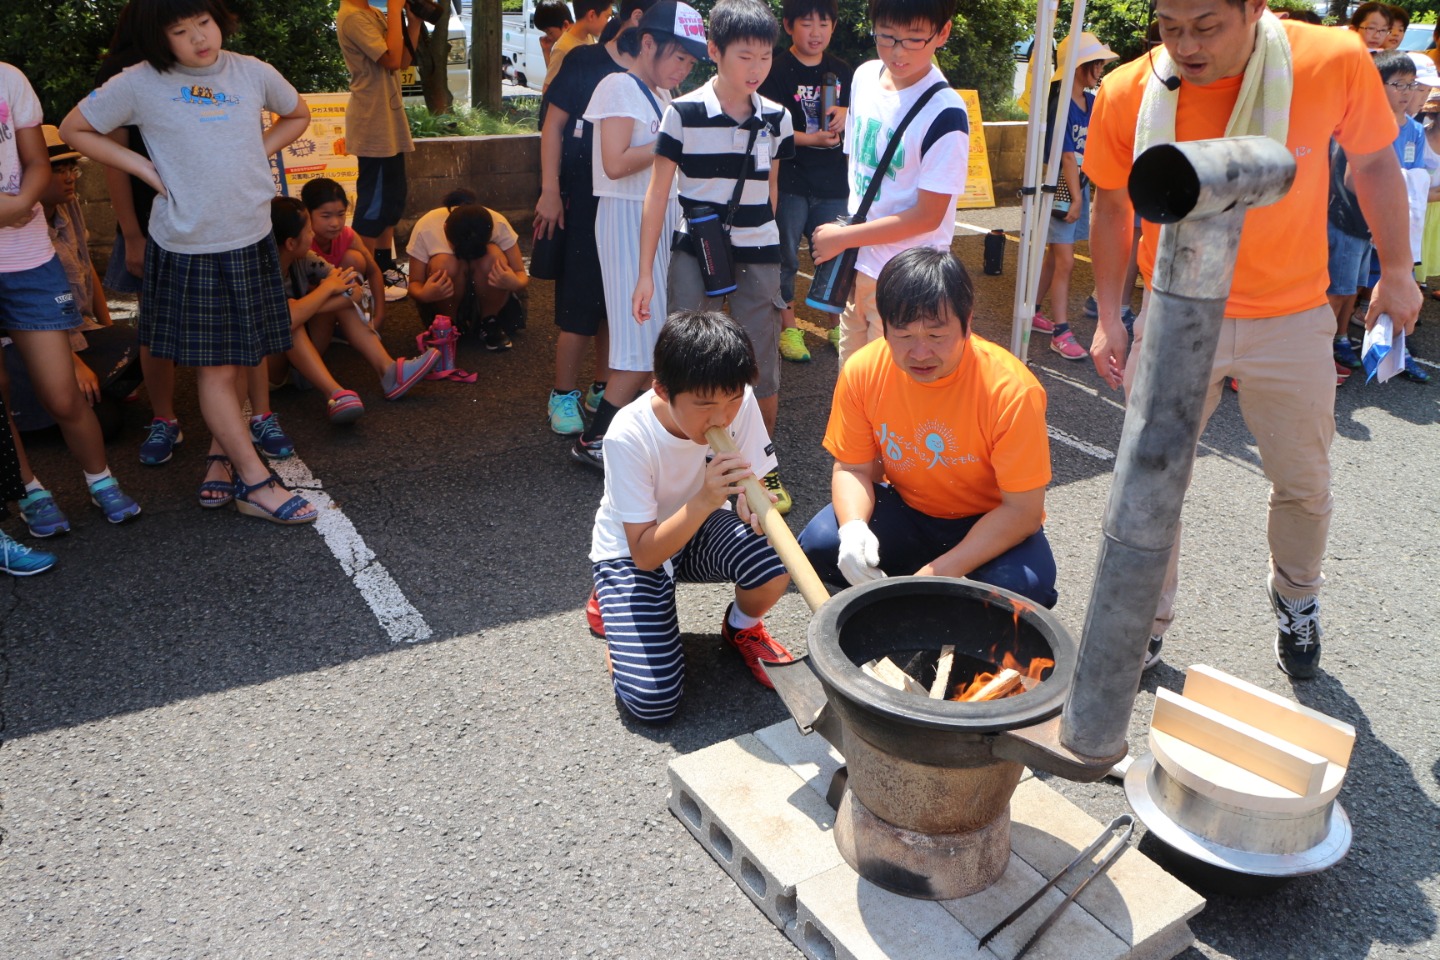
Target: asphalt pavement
pixel 393 736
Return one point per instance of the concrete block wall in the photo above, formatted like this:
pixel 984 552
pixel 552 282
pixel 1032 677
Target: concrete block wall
pixel 503 171
pixel 1005 140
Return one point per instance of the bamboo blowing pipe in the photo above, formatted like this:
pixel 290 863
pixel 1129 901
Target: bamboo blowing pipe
pixel 807 581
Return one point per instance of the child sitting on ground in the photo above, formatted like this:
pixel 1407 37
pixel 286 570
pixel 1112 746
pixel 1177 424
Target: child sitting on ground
pixel 665 516
pixel 314 290
pixel 340 246
pixel 462 253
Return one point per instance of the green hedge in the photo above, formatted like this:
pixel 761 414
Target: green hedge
pixel 58 44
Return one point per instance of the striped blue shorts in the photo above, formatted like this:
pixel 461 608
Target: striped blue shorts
pixel 641 626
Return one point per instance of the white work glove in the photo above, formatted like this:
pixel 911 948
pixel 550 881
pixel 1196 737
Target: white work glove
pixel 859 554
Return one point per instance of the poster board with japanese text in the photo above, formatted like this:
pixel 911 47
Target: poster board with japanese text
pixel 979 188
pixel 319 151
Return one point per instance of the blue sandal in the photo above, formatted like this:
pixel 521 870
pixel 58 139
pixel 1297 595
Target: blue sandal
pixel 286 513
pixel 225 488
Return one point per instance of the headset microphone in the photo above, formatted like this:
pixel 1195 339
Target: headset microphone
pixel 1171 83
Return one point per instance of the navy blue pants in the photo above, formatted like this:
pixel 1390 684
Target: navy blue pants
pixel 638 606
pixel 910 539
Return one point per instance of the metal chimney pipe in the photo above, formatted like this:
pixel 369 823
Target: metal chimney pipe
pixel 1201 190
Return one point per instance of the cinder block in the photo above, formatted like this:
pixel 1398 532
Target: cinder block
pixel 1137 901
pixel 842 917
pixel 757 818
pixel 810 756
pixel 1075 935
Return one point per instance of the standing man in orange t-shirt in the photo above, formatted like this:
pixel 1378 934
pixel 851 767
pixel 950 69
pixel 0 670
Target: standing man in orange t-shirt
pixel 1276 338
pixel 954 426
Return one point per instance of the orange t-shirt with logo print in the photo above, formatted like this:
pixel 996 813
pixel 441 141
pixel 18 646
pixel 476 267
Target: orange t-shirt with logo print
pixel 948 447
pixel 1282 265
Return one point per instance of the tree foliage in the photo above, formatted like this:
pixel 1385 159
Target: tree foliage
pixel 58 44
pixel 1119 24
pixel 979 55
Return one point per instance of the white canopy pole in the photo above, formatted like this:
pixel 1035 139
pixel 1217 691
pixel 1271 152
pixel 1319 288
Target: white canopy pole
pixel 1035 220
pixel 1039 84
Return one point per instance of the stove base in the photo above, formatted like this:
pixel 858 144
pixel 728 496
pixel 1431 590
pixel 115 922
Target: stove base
pixel 756 804
pixel 942 866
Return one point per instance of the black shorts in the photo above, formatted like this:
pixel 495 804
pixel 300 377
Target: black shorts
pixel 379 194
pixel 580 291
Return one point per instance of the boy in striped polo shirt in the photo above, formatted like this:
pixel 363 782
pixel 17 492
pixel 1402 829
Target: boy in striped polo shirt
pixel 705 135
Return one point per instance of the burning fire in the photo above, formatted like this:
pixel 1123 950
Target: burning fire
pixel 1009 682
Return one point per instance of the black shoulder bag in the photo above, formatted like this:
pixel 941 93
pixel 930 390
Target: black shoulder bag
pixel 834 279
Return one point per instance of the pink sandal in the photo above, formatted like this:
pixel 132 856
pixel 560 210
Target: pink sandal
pixel 345 407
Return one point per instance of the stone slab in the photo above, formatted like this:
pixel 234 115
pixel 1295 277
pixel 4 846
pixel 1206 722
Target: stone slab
pixel 1136 899
pixel 757 819
pixel 756 803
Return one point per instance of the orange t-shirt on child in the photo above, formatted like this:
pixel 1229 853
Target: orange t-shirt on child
pixel 948 447
pixel 1282 264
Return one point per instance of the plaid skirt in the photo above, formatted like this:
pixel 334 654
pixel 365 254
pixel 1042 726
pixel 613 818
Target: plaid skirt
pixel 214 309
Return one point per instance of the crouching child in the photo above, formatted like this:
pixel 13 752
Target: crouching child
pixel 665 515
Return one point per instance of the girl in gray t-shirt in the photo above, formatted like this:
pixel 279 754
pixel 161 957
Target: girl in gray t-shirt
pixel 211 296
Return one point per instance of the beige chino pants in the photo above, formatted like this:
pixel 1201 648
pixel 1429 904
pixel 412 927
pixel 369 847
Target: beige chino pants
pixel 1287 396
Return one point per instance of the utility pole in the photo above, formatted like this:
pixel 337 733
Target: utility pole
pixel 485 54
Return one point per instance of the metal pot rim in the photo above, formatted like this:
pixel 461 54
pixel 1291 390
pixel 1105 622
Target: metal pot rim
pixel 868 696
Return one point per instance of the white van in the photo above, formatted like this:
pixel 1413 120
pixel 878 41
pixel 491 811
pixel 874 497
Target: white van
pixel 522 61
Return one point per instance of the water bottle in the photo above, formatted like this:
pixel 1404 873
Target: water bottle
pixel 442 336
pixel 834 278
pixel 995 252
pixel 712 250
pixel 829 99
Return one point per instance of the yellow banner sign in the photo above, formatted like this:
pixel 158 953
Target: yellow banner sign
pixel 979 189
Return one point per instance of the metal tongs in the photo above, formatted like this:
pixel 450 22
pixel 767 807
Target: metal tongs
pixel 1126 821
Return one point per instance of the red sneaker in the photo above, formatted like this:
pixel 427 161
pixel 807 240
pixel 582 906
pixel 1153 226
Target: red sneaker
pixel 592 616
pixel 1342 373
pixel 755 645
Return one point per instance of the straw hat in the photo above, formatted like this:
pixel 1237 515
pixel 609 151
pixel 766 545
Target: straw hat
pixel 59 149
pixel 1091 49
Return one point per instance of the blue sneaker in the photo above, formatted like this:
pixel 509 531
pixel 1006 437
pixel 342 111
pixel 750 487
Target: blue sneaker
pixel 1345 354
pixel 266 434
pixel 107 495
pixel 160 445
pixel 1092 309
pixel 565 418
pixel 593 397
pixel 19 560
pixel 1412 370
pixel 43 515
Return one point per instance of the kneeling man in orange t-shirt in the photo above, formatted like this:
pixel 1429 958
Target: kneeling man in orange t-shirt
pixel 941 453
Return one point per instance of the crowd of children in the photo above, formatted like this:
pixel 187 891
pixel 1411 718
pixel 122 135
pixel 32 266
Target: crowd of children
pixel 664 210
pixel 1409 79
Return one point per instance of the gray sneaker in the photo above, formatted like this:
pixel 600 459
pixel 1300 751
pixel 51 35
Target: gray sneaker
pixel 1297 641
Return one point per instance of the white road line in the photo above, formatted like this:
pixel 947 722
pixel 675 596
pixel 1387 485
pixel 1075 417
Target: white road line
pixel 1425 363
pixel 1082 387
pixel 398 617
pixel 1099 453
